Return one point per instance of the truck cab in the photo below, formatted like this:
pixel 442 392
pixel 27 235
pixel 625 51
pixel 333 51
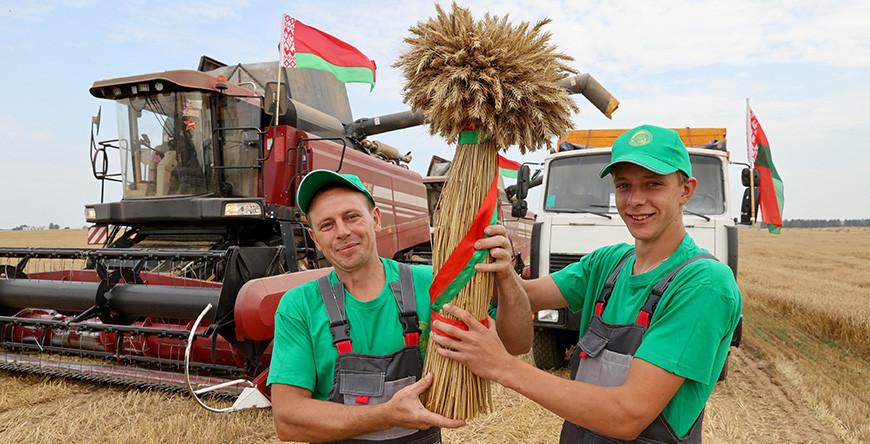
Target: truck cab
pixel 579 216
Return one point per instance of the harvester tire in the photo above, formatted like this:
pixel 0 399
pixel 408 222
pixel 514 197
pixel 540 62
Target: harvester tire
pixel 547 349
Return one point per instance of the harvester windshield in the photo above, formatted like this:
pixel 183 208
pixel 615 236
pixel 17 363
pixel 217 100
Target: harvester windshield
pixel 188 143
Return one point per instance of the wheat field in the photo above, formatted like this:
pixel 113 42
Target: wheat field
pixel 801 375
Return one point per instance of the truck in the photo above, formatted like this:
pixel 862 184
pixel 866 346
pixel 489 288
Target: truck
pixel 579 215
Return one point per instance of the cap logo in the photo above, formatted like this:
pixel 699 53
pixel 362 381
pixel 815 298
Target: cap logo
pixel 640 138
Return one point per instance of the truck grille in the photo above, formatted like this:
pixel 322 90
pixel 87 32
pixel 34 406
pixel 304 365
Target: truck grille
pixel 560 261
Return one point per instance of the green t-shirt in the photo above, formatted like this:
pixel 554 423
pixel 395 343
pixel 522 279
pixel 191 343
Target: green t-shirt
pixel 690 331
pixel 303 354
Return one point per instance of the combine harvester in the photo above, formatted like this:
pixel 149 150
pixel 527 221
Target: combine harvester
pixel 207 237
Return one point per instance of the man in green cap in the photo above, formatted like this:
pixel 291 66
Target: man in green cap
pixel 346 360
pixel 657 317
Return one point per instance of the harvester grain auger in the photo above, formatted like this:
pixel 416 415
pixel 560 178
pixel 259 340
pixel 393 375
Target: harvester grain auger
pixel 207 236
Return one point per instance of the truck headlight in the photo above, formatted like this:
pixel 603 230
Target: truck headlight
pixel 243 209
pixel 90 214
pixel 551 316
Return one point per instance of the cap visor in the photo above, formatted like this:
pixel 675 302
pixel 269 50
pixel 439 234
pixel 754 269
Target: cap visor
pixel 648 162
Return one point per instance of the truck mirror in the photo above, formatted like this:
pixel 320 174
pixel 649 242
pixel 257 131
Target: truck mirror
pixel 271 98
pixel 519 208
pixel 746 206
pixel 744 177
pixel 523 182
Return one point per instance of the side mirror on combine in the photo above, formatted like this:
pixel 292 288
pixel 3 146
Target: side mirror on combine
pixel 271 98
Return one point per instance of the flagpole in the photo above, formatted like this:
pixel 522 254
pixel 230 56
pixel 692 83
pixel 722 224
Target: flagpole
pixel 280 67
pixel 751 162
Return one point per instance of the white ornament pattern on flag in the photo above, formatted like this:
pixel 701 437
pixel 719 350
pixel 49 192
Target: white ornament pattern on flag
pixel 288 42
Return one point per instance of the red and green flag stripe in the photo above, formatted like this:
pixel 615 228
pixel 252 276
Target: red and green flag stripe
pixel 507 168
pixel 303 46
pixel 770 184
pixel 458 269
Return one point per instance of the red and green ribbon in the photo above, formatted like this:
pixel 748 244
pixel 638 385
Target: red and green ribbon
pixel 459 267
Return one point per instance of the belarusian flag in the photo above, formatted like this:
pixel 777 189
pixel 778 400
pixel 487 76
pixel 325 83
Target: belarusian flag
pixel 507 167
pixel 305 47
pixel 770 185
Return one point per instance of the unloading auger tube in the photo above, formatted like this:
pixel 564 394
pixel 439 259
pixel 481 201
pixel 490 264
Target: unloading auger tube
pixel 583 84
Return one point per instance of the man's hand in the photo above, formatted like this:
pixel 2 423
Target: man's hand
pixel 406 410
pixel 479 348
pixel 500 250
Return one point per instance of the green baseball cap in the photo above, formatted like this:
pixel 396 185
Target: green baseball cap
pixel 317 180
pixel 657 149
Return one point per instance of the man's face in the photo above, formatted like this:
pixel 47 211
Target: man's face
pixel 651 204
pixel 343 226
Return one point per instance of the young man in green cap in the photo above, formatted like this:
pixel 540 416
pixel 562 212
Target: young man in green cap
pixel 346 362
pixel 657 316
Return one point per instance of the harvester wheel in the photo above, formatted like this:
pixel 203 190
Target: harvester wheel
pixel 547 349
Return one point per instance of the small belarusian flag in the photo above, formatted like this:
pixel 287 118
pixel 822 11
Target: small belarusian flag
pixel 305 47
pixel 770 185
pixel 507 167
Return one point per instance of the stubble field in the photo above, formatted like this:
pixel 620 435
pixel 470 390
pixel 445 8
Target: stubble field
pixel 802 374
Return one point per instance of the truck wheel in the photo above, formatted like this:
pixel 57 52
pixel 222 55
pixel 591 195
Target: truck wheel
pixel 547 349
pixel 724 372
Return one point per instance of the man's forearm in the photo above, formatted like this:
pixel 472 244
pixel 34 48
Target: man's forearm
pixel 313 420
pixel 514 315
pixel 611 411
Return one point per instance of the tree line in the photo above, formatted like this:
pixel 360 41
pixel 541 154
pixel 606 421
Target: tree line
pixel 822 223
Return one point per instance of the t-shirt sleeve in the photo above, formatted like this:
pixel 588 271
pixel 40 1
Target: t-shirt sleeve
pixel 688 331
pixel 574 280
pixel 292 350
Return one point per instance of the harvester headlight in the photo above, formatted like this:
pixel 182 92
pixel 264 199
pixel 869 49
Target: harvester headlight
pixel 90 214
pixel 551 316
pixel 243 209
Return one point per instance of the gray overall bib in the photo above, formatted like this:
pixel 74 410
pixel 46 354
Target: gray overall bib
pixel 367 379
pixel 604 354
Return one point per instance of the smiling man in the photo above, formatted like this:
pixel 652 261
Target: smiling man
pixel 346 366
pixel 657 317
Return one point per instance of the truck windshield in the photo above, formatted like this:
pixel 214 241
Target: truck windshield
pixel 167 146
pixel 573 185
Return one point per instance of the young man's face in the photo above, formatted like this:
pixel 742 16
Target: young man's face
pixel 651 204
pixel 343 226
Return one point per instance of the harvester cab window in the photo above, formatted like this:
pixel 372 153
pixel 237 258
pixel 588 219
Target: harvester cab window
pixel 240 148
pixel 165 141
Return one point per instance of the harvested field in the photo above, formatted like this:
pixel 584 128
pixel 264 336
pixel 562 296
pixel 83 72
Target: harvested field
pixel 801 376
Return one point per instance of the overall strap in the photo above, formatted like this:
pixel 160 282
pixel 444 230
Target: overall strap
pixel 333 300
pixel 609 284
pixel 645 315
pixel 403 291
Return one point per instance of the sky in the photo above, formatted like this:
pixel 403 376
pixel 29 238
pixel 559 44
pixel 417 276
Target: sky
pixel 804 65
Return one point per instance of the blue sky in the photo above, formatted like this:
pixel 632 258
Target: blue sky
pixel 804 65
